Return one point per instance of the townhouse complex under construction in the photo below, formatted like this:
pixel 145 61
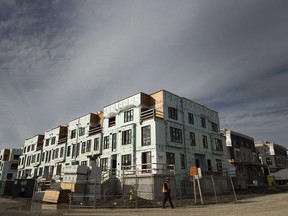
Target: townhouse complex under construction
pixel 155 135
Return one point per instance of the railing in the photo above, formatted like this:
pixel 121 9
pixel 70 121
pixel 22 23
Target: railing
pixel 148 169
pixel 62 140
pixel 151 113
pixel 95 130
pixel 39 148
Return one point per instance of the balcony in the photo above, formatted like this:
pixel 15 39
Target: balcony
pixel 151 113
pixel 95 130
pixel 62 140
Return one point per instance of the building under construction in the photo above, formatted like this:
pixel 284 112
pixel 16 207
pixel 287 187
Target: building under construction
pixel 135 142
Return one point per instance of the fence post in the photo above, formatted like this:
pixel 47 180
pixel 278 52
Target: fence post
pixel 94 203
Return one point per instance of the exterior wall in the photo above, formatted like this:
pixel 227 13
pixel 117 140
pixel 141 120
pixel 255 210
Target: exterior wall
pixel 123 125
pixel 192 152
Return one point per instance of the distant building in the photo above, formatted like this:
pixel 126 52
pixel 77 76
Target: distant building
pixel 9 159
pixel 242 154
pixel 272 156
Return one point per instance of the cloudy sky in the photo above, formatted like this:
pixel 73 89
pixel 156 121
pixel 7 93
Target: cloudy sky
pixel 65 58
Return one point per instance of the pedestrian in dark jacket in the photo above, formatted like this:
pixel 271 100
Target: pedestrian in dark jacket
pixel 166 192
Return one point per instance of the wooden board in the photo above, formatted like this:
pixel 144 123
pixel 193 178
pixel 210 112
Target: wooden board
pixel 51 196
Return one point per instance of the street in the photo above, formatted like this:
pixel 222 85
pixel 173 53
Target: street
pixel 266 205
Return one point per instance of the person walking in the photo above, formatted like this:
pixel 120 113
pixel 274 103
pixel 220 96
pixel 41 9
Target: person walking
pixel 166 189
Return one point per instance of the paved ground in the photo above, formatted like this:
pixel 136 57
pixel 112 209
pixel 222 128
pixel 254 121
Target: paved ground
pixel 264 205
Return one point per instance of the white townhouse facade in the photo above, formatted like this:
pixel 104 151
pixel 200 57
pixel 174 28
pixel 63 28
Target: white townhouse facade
pixel 149 131
pixel 31 156
pixel 53 152
pixel 84 139
pixel 143 132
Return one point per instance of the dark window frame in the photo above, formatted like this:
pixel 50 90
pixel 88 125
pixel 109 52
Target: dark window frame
pixel 146 135
pixel 191 118
pixel 127 137
pixel 128 115
pixel 205 141
pixel 172 113
pixel 176 135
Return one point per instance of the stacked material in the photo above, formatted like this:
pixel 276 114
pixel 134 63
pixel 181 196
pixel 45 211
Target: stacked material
pixel 94 184
pixel 75 179
pixel 56 196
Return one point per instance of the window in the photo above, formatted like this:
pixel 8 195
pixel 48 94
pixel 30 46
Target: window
pixel 175 135
pixel 170 160
pixel 32 147
pixel 209 164
pixel 47 142
pixel 14 166
pixel 83 149
pixel 112 121
pixel 106 142
pixel 126 137
pixel 172 113
pixel 43 157
pixel 104 164
pixel 190 118
pixel 146 162
pixel 73 151
pixel 33 159
pixel 57 153
pixel 237 154
pixel 126 161
pixel 214 127
pixel 146 135
pixel 192 139
pixel 204 141
pixel 68 151
pixel 203 122
pixel 9 176
pixel 49 158
pixel 81 131
pixel 182 161
pixel 84 163
pixel 53 153
pixel 61 151
pixel 128 116
pixel 53 140
pixel 219 164
pixel 16 157
pixel 77 149
pixel 114 141
pixel 73 134
pixel 218 145
pixel 269 161
pixel 88 147
pixel 96 144
pixel 38 157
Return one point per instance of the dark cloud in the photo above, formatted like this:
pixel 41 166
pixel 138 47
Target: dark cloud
pixel 64 58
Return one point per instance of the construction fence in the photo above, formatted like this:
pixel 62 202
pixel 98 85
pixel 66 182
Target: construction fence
pixel 138 188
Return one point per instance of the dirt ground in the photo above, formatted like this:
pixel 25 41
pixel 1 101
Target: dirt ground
pixel 255 201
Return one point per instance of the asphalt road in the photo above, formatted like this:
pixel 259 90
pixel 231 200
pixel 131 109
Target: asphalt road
pixel 266 205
